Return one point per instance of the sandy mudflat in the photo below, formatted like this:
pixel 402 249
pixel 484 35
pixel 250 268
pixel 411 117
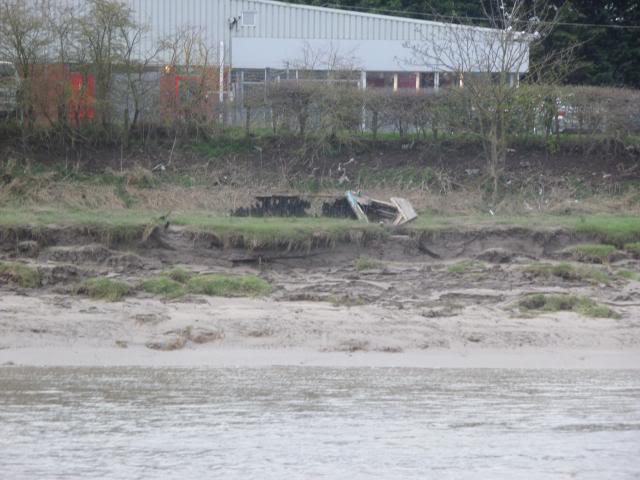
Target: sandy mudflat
pixel 52 330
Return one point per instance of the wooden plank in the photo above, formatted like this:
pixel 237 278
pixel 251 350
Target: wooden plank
pixel 406 213
pixel 352 198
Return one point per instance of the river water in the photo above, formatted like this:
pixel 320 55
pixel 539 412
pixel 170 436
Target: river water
pixel 304 422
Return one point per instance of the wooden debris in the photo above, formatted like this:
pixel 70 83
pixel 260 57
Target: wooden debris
pixel 398 211
pixel 354 202
pixel 406 213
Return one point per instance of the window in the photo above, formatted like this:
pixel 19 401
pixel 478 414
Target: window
pixel 249 19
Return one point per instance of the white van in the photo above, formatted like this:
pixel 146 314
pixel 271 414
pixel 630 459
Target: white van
pixel 9 84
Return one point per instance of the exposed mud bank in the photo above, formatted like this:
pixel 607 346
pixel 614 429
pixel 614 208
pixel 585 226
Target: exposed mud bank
pixel 450 290
pixel 136 247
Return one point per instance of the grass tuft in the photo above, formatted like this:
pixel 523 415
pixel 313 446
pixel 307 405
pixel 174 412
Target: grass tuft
pixel 20 274
pixel 566 303
pixel 633 249
pixel 102 288
pixel 593 253
pixel 222 285
pixel 163 285
pixel 567 271
pixel 365 263
pixel 464 266
pixel 181 275
pixel 614 230
pixel 628 274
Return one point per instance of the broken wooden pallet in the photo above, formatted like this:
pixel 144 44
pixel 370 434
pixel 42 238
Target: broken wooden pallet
pixel 398 211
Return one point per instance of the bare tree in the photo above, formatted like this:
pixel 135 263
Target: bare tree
pixel 101 29
pixel 190 55
pixel 23 41
pixel 488 63
pixel 61 24
pixel 135 63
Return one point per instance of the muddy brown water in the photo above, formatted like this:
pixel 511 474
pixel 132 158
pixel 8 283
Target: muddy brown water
pixel 302 422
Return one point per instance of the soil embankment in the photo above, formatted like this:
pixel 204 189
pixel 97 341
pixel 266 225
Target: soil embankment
pixel 487 295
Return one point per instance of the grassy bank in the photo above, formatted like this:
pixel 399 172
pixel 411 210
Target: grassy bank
pixel 130 224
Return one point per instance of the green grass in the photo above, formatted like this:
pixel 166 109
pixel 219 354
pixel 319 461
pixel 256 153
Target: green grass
pixel 464 266
pixel 222 285
pixel 102 288
pixel 121 225
pixel 365 263
pixel 112 226
pixel 566 303
pixel 164 286
pixel 20 274
pixel 286 233
pixel 568 271
pixel 628 274
pixel 181 275
pixel 633 249
pixel 614 230
pixel 593 253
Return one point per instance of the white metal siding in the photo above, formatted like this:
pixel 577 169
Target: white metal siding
pixel 286 25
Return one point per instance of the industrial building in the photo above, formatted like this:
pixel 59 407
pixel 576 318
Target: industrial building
pixel 284 38
pixel 239 48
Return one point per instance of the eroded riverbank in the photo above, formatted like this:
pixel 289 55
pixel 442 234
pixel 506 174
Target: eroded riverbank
pixel 454 297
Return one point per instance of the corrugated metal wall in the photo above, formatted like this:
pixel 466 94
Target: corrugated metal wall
pixel 281 30
pixel 274 20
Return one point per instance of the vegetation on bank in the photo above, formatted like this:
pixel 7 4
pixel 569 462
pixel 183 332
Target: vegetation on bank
pixel 566 303
pixel 633 249
pixel 568 272
pixel 19 274
pixel 223 285
pixel 104 288
pixel 593 253
pixel 128 225
pixel 366 263
pixel 164 286
pixel 464 266
pixel 178 282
